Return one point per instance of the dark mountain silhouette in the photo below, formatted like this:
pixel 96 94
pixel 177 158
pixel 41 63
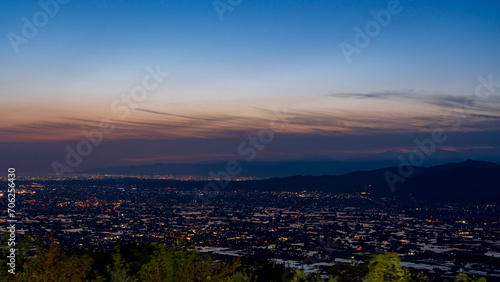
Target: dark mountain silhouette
pixel 361 180
pixel 461 184
pixel 468 182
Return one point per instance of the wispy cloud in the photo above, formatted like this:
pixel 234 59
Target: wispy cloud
pixel 434 98
pixel 465 148
pixel 302 120
pixel 373 95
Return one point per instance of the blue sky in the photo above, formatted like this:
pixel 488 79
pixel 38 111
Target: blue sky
pixel 263 55
pixel 429 45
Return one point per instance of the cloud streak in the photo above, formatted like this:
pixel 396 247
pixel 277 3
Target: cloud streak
pixel 153 124
pixel 437 99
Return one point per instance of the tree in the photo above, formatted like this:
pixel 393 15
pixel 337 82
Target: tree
pixel 349 272
pixel 462 277
pixel 120 270
pixel 300 276
pixel 52 264
pixel 178 264
pixel 23 249
pixel 263 270
pixel 386 267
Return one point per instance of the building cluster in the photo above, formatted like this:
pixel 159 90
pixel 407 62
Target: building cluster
pixel 301 229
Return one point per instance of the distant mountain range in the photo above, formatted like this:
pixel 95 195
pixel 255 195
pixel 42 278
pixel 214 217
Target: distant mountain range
pixel 262 169
pixel 468 182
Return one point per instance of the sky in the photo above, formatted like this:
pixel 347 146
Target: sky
pixel 191 81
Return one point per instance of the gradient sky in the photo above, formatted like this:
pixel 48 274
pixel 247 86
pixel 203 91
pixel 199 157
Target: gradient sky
pixel 226 78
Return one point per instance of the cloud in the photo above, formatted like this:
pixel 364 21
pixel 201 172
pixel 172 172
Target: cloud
pixel 373 95
pixel 466 148
pixel 434 98
pixel 174 115
pixel 321 119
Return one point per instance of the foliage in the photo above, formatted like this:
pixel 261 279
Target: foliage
pixel 38 261
pixel 177 264
pixel 51 264
pixel 349 272
pixel 462 277
pixel 383 267
pixel 300 276
pixel 386 267
pixel 264 270
pixel 120 270
pixel 23 247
